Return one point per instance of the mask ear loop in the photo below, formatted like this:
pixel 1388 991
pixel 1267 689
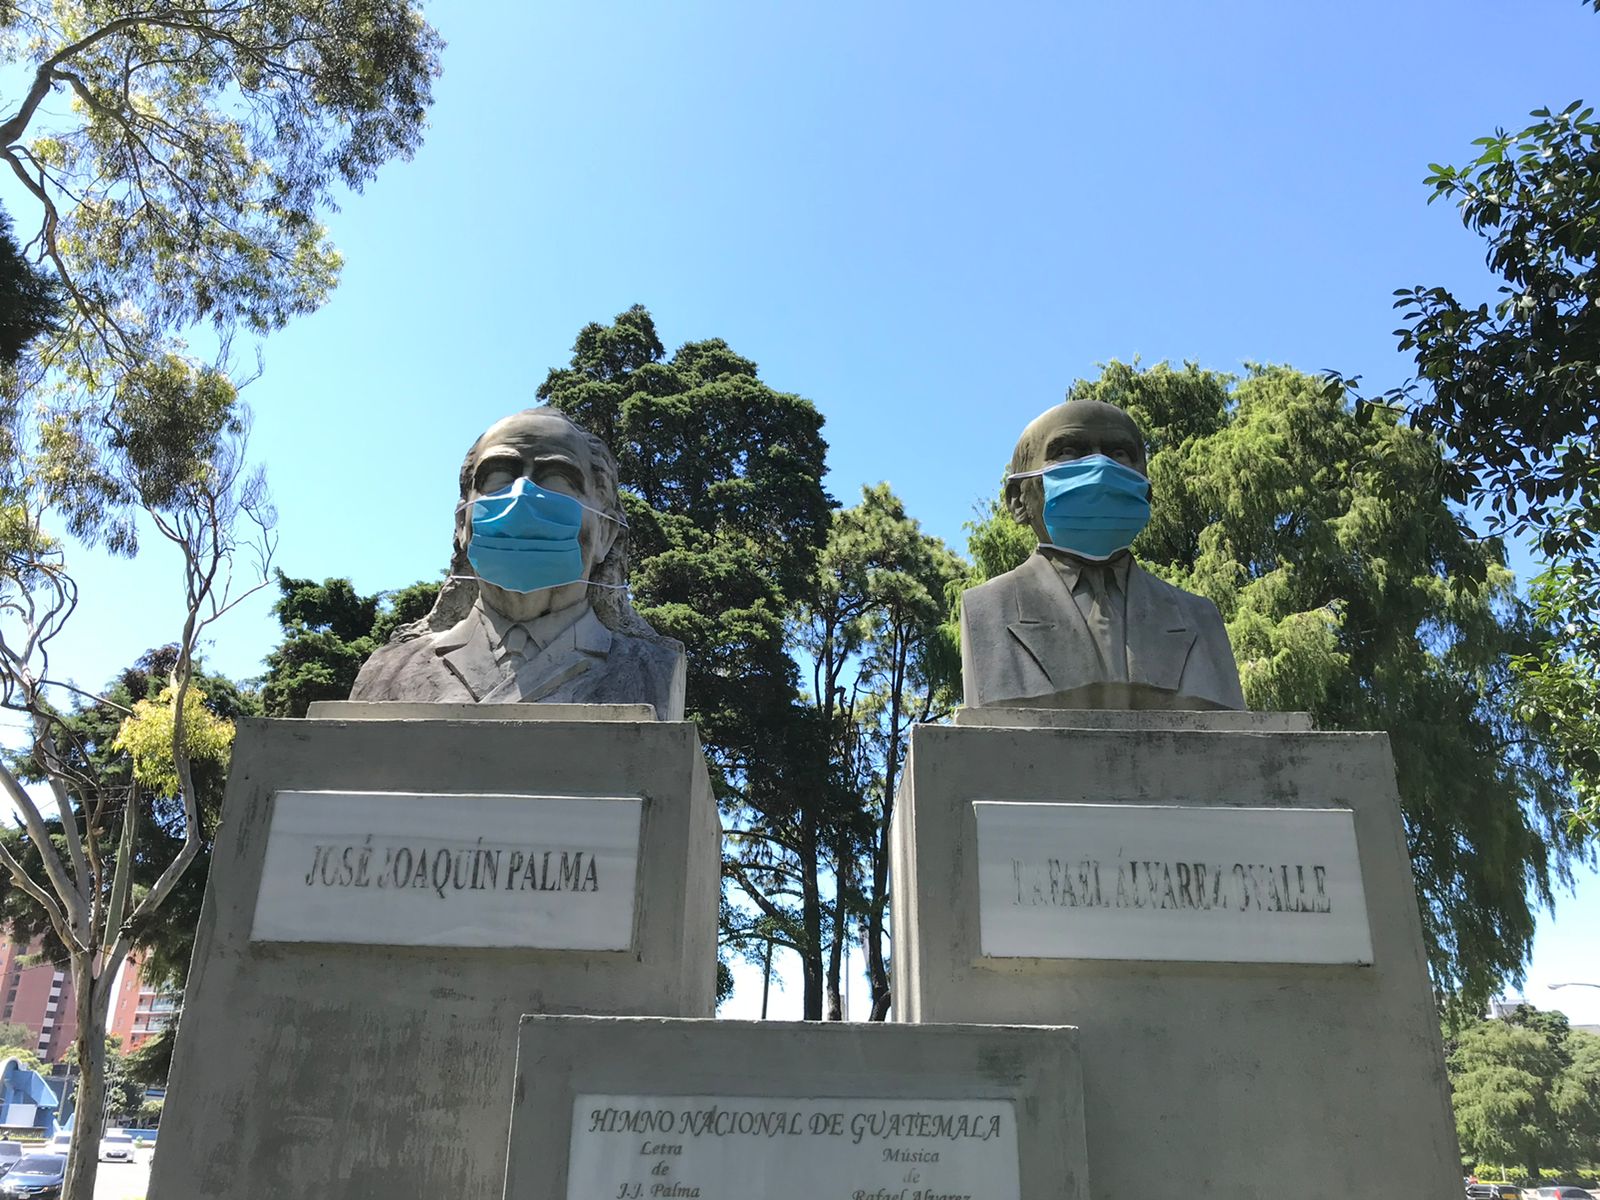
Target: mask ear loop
pixel 1099 558
pixel 616 587
pixel 1048 467
pixel 605 516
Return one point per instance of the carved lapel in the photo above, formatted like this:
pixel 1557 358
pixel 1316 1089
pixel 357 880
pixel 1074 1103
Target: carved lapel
pixel 570 655
pixel 1159 637
pixel 465 650
pixel 1063 648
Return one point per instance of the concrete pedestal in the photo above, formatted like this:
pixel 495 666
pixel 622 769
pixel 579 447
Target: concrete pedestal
pixel 1237 1079
pixel 343 1070
pixel 642 1109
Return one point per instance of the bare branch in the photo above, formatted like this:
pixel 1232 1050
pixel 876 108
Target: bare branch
pixel 51 761
pixel 58 919
pixel 75 917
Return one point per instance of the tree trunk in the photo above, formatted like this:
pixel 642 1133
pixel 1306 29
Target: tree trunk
pixel 878 902
pixel 766 980
pixel 88 1119
pixel 811 920
pixel 836 951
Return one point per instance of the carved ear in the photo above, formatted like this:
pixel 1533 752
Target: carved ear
pixel 1016 505
pixel 605 537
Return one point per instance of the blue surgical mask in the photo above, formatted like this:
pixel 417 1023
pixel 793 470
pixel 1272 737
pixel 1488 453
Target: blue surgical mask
pixel 1093 506
pixel 525 538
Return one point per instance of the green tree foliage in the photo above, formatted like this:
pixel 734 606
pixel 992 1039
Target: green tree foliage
pixel 1526 1091
pixel 1353 589
pixel 329 631
pixel 867 630
pixel 124 1093
pixel 30 303
pixel 726 516
pixel 176 158
pixel 21 1043
pixel 1508 386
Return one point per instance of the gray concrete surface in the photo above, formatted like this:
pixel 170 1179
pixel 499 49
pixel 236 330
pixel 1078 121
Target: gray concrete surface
pixel 414 710
pixel 1205 1079
pixel 306 1070
pixel 559 1058
pixel 1215 720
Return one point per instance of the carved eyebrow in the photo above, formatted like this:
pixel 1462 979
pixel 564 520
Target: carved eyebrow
pixel 506 457
pixel 561 462
pixel 502 459
pixel 1063 442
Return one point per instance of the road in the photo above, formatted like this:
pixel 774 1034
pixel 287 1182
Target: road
pixel 123 1181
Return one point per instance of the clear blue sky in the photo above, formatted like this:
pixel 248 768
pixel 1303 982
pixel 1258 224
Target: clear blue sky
pixel 928 218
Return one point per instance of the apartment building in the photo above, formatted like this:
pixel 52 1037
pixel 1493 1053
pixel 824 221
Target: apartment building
pixel 38 995
pixel 141 1010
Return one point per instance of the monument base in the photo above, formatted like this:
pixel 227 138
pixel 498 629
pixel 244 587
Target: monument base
pixel 1227 915
pixel 387 898
pixel 639 1109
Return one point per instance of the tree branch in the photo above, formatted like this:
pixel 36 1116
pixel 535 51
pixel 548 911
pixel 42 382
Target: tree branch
pixel 73 916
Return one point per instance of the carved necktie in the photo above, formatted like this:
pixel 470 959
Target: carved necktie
pixel 1101 613
pixel 514 649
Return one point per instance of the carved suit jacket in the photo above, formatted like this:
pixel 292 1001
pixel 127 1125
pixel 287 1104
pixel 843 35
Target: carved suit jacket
pixel 1025 641
pixel 586 663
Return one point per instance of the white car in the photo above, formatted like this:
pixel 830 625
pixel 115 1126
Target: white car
pixel 59 1144
pixel 116 1146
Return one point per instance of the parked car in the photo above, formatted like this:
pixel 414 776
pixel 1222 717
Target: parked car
pixel 10 1152
pixel 37 1176
pixel 1560 1191
pixel 61 1143
pixel 116 1146
pixel 1493 1191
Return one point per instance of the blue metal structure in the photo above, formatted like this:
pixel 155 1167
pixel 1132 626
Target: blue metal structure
pixel 25 1094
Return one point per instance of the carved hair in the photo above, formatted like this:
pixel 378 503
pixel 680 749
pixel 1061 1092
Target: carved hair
pixel 1024 498
pixel 611 604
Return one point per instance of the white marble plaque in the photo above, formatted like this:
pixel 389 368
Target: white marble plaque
pixel 1170 883
pixel 409 869
pixel 780 1148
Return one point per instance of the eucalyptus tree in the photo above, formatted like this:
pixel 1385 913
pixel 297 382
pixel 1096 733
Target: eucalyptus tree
pixel 124 822
pixel 182 182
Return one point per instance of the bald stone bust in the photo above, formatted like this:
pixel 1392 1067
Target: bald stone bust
pixel 1082 625
pixel 566 635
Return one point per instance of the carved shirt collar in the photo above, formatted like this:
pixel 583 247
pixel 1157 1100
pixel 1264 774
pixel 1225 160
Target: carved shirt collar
pixel 1070 567
pixel 545 630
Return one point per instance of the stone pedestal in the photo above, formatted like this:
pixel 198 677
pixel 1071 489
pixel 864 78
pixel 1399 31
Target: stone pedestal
pixel 389 894
pixel 641 1109
pixel 1222 904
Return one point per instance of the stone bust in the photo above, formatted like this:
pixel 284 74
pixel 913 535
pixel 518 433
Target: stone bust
pixel 1080 624
pixel 535 608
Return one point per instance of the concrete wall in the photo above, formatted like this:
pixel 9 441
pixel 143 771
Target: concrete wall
pixel 305 1070
pixel 1242 1081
